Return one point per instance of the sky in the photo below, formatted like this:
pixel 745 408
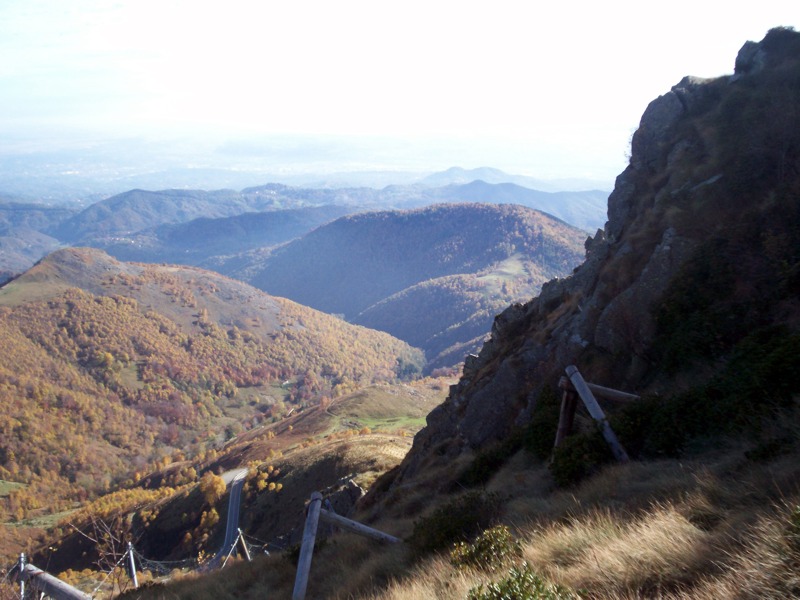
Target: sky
pixel 549 89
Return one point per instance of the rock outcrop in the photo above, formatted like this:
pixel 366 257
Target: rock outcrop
pixel 677 189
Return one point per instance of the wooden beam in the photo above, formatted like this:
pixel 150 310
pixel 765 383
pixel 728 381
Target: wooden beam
pixel 599 390
pixel 356 527
pixel 597 413
pixel 611 394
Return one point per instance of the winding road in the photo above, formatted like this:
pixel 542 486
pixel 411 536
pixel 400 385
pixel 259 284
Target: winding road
pixel 235 479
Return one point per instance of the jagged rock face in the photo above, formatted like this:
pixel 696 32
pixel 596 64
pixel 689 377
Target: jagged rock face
pixel 602 317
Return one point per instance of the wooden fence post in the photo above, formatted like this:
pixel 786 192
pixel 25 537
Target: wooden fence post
pixel 597 413
pixel 307 547
pixel 566 416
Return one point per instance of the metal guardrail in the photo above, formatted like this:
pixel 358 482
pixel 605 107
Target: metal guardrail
pixel 29 575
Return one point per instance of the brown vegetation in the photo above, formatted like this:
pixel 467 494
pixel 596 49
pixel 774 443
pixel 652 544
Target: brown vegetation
pixel 98 390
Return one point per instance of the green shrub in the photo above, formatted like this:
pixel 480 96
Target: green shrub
pixel 488 460
pixel 694 323
pixel 491 550
pixel 541 432
pixel 459 520
pixel 656 427
pixel 579 456
pixel 521 584
pixel 758 378
pixel 793 529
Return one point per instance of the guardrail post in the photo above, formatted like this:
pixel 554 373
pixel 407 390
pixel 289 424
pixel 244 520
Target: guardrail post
pixel 132 566
pixel 245 549
pixel 22 575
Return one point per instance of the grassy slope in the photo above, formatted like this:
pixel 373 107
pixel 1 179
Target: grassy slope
pixel 715 524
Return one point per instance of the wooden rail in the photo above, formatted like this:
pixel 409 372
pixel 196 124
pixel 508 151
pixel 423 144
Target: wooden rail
pixel 356 527
pixel 577 385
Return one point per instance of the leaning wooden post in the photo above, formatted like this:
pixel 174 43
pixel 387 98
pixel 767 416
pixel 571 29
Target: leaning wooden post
pixel 566 417
pixel 597 413
pixel 307 547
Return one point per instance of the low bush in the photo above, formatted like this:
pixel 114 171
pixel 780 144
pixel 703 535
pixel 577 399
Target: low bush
pixel 459 520
pixel 579 456
pixel 521 584
pixel 490 551
pixel 757 379
pixel 541 431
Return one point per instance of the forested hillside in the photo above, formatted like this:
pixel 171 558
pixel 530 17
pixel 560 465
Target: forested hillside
pixel 435 275
pixel 213 242
pixel 109 367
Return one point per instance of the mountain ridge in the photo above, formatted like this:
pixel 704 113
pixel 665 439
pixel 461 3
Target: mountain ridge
pixel 688 202
pixel 353 265
pixel 140 225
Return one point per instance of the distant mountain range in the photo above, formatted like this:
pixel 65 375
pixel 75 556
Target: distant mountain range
pixel 132 212
pixel 136 225
pixel 483 246
pixel 201 241
pixel 460 176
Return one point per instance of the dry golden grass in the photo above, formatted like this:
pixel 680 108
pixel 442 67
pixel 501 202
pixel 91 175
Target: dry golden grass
pixel 607 554
pixel 712 527
pixel 766 566
pixel 436 579
pixel 705 529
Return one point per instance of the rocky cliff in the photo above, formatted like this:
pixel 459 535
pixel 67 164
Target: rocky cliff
pixel 714 164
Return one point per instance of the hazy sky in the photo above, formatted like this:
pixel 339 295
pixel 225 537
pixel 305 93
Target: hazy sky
pixel 549 88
